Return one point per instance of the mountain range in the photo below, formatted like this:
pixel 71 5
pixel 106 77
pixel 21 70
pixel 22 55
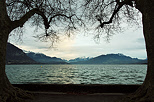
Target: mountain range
pixel 18 56
pixel 112 59
pixel 41 58
pixel 14 55
pixel 79 59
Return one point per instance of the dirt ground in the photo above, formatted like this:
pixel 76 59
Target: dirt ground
pixel 75 97
pixel 77 92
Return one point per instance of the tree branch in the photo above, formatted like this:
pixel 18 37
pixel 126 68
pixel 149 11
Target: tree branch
pixel 117 8
pixel 23 19
pixel 69 17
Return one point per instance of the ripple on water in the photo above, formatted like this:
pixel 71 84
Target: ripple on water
pixel 77 74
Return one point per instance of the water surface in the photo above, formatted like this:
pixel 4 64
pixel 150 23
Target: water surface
pixel 76 74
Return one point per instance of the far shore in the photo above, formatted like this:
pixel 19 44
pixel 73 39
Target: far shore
pixel 72 64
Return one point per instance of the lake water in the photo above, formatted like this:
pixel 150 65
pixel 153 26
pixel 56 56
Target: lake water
pixel 76 74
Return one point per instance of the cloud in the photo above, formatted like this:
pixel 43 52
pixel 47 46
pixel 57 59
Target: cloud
pixel 140 40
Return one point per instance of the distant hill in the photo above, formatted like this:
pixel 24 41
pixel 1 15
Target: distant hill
pixel 41 58
pixel 14 55
pixel 112 59
pixel 79 59
pixel 17 56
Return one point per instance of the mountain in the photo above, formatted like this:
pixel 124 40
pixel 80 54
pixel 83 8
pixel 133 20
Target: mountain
pixel 41 58
pixel 14 55
pixel 79 59
pixel 17 56
pixel 112 59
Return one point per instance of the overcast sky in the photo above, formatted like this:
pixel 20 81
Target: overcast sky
pixel 130 43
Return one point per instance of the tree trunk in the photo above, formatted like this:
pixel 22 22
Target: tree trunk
pixel 3 41
pixel 4 82
pixel 148 29
pixel 8 93
pixel 146 92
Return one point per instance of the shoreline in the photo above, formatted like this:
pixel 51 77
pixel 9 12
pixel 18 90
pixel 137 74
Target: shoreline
pixel 78 88
pixel 77 92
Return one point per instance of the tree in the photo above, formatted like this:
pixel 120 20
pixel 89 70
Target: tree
pixel 46 13
pixel 14 14
pixel 110 13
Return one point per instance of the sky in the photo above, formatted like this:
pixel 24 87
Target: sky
pixel 130 42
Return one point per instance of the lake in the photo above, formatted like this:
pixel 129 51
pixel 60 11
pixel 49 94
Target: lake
pixel 76 74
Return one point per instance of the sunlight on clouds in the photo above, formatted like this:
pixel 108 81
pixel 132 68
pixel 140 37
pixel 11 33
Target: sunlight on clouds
pixel 64 48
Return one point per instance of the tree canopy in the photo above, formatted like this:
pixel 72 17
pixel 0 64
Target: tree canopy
pixel 109 15
pixel 45 14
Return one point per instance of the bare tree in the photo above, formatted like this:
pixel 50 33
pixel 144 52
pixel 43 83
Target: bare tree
pixel 43 14
pixel 110 14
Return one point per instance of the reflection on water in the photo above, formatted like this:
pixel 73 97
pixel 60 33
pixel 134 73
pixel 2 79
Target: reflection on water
pixel 76 74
